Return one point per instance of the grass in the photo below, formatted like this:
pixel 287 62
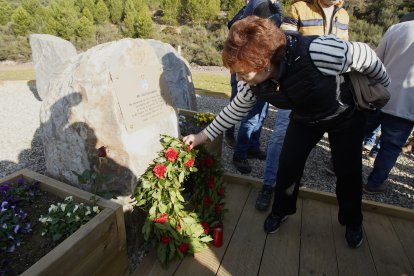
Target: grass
pixel 205 83
pixel 212 84
pixel 23 74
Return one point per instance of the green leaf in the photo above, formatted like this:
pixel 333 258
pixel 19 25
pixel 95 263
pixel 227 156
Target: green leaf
pixel 181 177
pixel 161 226
pixel 206 239
pixel 180 197
pixel 152 211
pixel 162 208
pixel 162 253
pixel 141 202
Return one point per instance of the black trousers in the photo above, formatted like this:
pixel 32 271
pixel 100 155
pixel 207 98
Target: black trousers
pixel 345 138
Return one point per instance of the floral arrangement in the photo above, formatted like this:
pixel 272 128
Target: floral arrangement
pixel 204 118
pixel 13 220
pixel 66 217
pixel 179 226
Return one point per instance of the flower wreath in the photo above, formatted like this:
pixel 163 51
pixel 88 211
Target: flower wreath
pixel 178 226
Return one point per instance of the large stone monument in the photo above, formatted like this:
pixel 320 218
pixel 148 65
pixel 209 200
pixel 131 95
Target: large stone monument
pixel 113 95
pixel 50 55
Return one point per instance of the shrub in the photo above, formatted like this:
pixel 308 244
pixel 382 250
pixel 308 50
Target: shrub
pixel 22 21
pixel 101 12
pixel 202 10
pixel 171 10
pixel 5 12
pixel 62 16
pixel 115 10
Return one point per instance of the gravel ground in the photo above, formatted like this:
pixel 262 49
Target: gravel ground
pixel 21 146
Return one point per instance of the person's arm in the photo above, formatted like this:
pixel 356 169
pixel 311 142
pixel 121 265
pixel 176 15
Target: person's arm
pixel 291 20
pixel 333 56
pixel 229 116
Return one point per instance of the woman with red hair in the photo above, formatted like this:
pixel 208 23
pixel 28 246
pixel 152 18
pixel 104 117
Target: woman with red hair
pixel 306 74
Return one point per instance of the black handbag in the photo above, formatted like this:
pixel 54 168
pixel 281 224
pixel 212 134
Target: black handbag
pixel 368 95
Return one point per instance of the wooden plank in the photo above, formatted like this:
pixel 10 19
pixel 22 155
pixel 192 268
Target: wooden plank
pixel 405 233
pixel 317 255
pixel 208 261
pixel 151 266
pixel 387 251
pixel 281 252
pixel 351 261
pixel 245 250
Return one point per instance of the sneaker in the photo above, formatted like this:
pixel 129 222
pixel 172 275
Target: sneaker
pixel 242 165
pixel 230 141
pixel 273 222
pixel 375 190
pixel 330 168
pixel 354 236
pixel 264 198
pixel 259 154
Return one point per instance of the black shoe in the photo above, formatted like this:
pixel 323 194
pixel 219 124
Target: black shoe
pixel 258 154
pixel 272 223
pixel 354 236
pixel 264 198
pixel 230 141
pixel 242 165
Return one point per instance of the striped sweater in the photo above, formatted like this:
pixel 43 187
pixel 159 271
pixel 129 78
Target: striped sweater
pixel 331 56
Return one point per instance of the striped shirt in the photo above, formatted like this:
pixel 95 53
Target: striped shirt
pixel 331 56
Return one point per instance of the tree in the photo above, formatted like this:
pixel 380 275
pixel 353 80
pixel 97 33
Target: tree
pixel 5 12
pixel 22 21
pixel 115 8
pixel 202 10
pixel 86 12
pixel 129 24
pixel 38 13
pixel 170 9
pixel 61 18
pixel 90 4
pixel 234 7
pixel 101 13
pixel 144 23
pixel 85 29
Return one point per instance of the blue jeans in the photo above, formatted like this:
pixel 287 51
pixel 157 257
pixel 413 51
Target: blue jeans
pixel 394 133
pixel 248 137
pixel 274 147
pixel 370 138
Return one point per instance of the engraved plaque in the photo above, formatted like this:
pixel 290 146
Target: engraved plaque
pixel 142 94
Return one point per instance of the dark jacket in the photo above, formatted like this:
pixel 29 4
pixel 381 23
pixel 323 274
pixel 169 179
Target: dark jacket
pixel 312 96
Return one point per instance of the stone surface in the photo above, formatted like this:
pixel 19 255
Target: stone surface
pixel 94 102
pixel 50 55
pixel 177 73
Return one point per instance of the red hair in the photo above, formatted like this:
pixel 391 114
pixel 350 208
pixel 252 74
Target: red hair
pixel 253 44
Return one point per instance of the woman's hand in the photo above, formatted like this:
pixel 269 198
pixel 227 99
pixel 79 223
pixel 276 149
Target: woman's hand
pixel 194 140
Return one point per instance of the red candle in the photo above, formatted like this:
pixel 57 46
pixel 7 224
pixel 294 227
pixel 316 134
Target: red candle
pixel 218 236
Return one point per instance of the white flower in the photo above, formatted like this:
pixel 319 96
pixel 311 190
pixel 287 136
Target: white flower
pixel 96 209
pixel 69 198
pixel 43 219
pixel 76 208
pixel 53 208
pixel 68 214
pixel 77 218
pixel 88 212
pixel 63 206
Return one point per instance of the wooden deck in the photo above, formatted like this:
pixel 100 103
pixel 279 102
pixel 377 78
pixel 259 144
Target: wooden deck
pixel 311 242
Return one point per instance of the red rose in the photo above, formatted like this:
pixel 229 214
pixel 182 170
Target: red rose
pixel 206 227
pixel 218 208
pixel 171 154
pixel 161 219
pixel 159 170
pixel 184 247
pixel 188 148
pixel 210 183
pixel 189 163
pixel 178 227
pixel 221 191
pixel 209 161
pixel 165 239
pixel 207 200
pixel 102 152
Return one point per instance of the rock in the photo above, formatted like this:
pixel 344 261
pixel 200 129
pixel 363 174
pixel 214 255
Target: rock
pixel 50 55
pixel 177 73
pixel 113 95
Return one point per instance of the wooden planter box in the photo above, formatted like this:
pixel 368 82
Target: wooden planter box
pixel 213 146
pixel 97 248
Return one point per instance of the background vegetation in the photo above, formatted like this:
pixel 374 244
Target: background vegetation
pixel 197 26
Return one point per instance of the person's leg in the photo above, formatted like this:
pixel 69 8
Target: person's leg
pixel 254 145
pixel 274 148
pixel 372 128
pixel 394 134
pixel 229 133
pixel 299 141
pixel 247 126
pixel 345 140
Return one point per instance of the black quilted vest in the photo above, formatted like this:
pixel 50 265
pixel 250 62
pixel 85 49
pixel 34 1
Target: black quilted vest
pixel 313 97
